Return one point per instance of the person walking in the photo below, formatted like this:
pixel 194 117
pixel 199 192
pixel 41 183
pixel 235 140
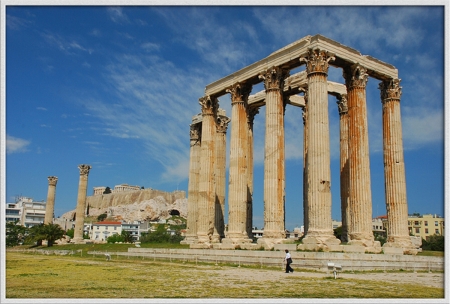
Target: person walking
pixel 288 261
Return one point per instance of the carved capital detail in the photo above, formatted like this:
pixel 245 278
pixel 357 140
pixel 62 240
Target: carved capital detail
pixel 84 169
pixel 342 104
pixel 390 90
pixel 209 105
pixel 274 78
pixel 52 180
pixel 196 132
pixel 251 116
pixel 317 61
pixel 239 92
pixel 356 76
pixel 222 124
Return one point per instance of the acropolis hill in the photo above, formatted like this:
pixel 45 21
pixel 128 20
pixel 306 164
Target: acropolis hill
pixel 139 204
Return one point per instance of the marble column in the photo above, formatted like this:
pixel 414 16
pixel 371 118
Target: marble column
pixel 274 157
pixel 251 116
pixel 81 203
pixel 305 156
pixel 238 178
pixel 394 168
pixel 194 171
pixel 207 190
pixel 50 206
pixel 221 155
pixel 320 230
pixel 360 196
pixel 344 174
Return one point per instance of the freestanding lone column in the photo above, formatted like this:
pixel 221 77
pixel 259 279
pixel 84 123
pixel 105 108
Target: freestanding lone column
pixel 394 168
pixel 320 231
pixel 207 190
pixel 81 203
pixel 238 180
pixel 221 155
pixel 344 176
pixel 50 206
pixel 360 196
pixel 194 171
pixel 274 173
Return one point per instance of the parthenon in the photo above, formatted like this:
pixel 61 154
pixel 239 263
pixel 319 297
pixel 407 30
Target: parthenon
pixel 309 90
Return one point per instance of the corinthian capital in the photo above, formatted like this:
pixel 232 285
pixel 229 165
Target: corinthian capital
pixel 52 180
pixel 274 78
pixel 342 104
pixel 84 169
pixel 356 76
pixel 209 105
pixel 222 124
pixel 195 131
pixel 239 92
pixel 390 89
pixel 317 61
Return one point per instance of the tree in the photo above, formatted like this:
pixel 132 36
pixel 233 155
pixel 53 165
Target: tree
pixel 107 190
pixel 102 217
pixel 52 232
pixel 434 243
pixel 15 234
pixel 127 237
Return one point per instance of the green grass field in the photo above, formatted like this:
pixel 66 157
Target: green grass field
pixel 30 276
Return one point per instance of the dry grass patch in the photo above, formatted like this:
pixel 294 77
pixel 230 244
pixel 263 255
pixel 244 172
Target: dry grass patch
pixel 36 276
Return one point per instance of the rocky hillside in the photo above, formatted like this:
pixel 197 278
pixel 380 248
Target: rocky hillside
pixel 145 204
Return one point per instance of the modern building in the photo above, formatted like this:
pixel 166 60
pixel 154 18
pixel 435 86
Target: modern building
pixel 102 230
pixel 426 225
pixel 27 212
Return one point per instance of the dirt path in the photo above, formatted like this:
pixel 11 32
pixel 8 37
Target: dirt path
pixel 261 275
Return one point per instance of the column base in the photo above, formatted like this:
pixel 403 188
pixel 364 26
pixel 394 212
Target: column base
pixel 370 246
pixel 78 240
pixel 189 240
pixel 401 242
pixel 320 242
pixel 269 243
pixel 236 242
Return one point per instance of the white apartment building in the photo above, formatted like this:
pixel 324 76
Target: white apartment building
pixel 100 231
pixel 28 212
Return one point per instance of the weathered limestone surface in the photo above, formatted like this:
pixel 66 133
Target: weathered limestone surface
pixel 318 174
pixel 81 203
pixel 394 168
pixel 238 179
pixel 207 200
pixel 274 158
pixel 344 167
pixel 50 206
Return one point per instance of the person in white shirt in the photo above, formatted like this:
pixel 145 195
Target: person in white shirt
pixel 288 261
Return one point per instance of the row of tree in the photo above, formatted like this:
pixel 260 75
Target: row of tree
pixel 18 234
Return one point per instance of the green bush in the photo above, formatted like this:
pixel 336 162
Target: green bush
pixel 434 243
pixel 161 235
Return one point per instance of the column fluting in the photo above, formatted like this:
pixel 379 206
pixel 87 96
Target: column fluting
pixel 194 172
pixel 274 157
pixel 394 168
pixel 238 175
pixel 344 174
pixel 81 203
pixel 221 143
pixel 360 196
pixel 50 206
pixel 318 150
pixel 207 193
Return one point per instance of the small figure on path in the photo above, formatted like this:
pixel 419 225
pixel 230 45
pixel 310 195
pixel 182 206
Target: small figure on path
pixel 288 261
pixel 108 256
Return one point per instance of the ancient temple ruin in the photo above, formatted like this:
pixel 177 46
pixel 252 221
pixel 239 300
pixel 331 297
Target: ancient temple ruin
pixel 309 90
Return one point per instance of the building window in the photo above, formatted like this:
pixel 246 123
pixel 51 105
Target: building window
pixel 426 230
pixel 416 223
pixel 115 228
pixel 436 223
pixel 426 223
pixel 437 231
pixel 98 227
pixel 417 230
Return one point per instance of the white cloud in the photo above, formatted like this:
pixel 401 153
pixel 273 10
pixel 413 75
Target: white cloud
pixel 16 145
pixel 117 15
pixel 41 108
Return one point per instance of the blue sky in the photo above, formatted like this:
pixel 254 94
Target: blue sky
pixel 116 88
